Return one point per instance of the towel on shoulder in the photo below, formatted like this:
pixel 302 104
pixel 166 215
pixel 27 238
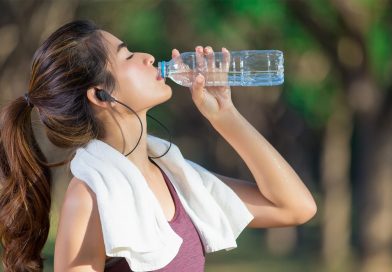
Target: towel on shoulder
pixel 133 223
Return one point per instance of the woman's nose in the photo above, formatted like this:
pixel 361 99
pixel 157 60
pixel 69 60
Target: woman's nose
pixel 149 59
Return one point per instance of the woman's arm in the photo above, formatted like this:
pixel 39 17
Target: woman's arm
pixel 79 243
pixel 279 197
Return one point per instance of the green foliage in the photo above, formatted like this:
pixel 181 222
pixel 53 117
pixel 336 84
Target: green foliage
pixel 143 29
pixel 379 41
pixel 265 12
pixel 313 102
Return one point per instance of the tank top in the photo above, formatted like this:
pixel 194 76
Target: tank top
pixel 191 255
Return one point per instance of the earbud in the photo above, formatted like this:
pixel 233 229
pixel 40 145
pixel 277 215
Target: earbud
pixel 103 95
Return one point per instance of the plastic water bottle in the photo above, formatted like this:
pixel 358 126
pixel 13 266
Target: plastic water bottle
pixel 235 68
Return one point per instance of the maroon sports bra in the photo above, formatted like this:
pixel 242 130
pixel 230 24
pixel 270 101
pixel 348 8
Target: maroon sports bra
pixel 191 256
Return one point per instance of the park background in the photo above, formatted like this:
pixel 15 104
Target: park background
pixel 331 119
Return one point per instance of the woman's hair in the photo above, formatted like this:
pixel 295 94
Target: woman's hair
pixel 72 59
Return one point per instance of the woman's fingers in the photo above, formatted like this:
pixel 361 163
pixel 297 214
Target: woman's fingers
pixel 178 61
pixel 210 58
pixel 198 81
pixel 205 64
pixel 175 53
pixel 200 61
pixel 186 71
pixel 197 88
pixel 225 62
pixel 209 53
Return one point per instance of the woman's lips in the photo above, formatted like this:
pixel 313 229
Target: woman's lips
pixel 159 75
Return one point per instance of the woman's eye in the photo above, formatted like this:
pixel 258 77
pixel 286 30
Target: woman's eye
pixel 130 57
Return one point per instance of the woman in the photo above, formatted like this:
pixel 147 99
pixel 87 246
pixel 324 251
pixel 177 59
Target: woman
pixel 86 86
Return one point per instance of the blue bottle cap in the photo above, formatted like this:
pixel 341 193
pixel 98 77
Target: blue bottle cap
pixel 163 72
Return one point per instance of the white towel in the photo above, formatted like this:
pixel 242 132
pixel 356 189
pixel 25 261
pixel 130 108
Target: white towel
pixel 133 223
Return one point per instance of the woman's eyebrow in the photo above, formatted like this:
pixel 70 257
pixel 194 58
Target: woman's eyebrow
pixel 121 45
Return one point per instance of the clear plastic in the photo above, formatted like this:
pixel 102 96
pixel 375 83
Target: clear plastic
pixel 235 68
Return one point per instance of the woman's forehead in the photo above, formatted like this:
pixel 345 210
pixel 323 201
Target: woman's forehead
pixel 111 40
pixel 112 43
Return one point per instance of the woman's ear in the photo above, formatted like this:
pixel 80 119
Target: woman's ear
pixel 93 98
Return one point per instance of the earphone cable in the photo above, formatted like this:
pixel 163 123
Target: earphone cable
pixel 141 133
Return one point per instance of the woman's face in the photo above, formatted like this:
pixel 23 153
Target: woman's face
pixel 138 85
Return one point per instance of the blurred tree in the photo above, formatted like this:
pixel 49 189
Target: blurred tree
pixel 365 102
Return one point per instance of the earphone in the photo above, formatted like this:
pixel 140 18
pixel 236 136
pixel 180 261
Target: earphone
pixel 102 95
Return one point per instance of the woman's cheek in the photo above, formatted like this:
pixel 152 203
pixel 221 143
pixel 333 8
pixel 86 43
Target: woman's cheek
pixel 127 77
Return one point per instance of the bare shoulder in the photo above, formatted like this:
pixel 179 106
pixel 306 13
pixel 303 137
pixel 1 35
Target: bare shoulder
pixel 79 241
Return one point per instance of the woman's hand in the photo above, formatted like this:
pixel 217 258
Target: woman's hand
pixel 212 101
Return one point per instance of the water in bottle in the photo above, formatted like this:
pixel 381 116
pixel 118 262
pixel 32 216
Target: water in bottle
pixel 235 68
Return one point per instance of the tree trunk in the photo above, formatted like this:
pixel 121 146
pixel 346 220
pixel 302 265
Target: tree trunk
pixel 376 195
pixel 335 178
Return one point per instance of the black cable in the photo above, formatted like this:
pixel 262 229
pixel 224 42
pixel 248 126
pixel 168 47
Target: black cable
pixel 170 137
pixel 104 96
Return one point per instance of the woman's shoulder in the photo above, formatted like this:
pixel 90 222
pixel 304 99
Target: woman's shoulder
pixel 77 188
pixel 79 195
pixel 79 230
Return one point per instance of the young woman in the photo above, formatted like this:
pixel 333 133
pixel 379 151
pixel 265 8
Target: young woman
pixel 88 88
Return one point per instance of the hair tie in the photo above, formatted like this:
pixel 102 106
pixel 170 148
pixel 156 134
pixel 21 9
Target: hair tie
pixel 27 98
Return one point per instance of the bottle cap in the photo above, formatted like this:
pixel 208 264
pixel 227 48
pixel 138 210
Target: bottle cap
pixel 161 68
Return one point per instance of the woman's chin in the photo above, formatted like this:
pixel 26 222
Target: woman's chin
pixel 170 91
pixel 165 95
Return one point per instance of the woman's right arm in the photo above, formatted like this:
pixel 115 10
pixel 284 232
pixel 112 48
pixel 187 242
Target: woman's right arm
pixel 79 241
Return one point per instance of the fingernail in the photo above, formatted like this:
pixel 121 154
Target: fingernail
pixel 199 79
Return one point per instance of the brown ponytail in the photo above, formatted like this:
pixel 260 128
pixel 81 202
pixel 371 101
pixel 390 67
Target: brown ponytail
pixel 73 59
pixel 25 191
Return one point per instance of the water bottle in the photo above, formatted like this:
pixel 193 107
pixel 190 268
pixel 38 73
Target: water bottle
pixel 235 68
